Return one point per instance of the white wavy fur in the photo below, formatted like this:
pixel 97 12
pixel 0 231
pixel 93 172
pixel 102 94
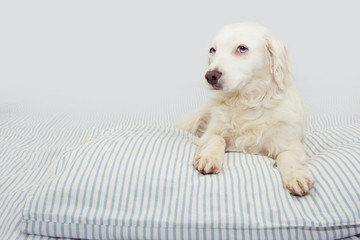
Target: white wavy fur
pixel 256 111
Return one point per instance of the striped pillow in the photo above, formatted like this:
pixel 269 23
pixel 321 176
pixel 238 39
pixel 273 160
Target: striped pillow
pixel 138 182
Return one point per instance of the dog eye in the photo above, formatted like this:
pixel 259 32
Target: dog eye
pixel 242 49
pixel 212 51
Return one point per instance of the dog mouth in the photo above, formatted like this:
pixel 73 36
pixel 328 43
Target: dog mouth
pixel 216 87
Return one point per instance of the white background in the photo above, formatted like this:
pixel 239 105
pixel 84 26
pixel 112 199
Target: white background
pixel 117 50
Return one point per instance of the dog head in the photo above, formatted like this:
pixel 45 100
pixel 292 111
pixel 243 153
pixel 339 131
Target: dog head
pixel 245 54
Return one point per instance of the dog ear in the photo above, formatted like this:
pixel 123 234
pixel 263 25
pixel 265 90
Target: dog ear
pixel 279 62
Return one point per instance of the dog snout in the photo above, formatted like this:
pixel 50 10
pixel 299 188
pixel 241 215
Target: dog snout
pixel 213 77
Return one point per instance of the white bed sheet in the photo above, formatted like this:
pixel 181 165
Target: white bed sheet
pixel 32 137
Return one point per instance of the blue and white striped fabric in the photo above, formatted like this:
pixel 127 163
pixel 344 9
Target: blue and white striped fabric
pixel 106 176
pixel 138 182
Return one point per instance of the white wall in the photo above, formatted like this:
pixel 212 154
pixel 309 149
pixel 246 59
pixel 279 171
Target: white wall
pixel 107 49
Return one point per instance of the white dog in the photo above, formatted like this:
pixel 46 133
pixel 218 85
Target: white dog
pixel 255 109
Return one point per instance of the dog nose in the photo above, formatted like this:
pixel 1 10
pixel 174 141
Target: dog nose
pixel 213 77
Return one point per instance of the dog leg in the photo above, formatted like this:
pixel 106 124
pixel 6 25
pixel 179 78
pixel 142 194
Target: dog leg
pixel 195 123
pixel 296 176
pixel 210 156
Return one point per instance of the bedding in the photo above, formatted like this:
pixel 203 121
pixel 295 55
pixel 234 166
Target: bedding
pixel 103 175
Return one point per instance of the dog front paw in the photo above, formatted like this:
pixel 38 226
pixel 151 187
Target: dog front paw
pixel 298 182
pixel 207 164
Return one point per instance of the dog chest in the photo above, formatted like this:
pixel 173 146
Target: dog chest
pixel 244 130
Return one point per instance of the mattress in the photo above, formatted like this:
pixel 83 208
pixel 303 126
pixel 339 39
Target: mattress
pixel 68 172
